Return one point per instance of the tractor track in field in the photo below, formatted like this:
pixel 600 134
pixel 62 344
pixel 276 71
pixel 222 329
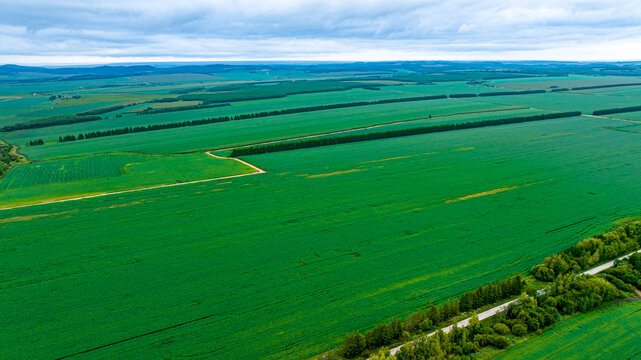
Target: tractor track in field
pixel 506 108
pixel 258 171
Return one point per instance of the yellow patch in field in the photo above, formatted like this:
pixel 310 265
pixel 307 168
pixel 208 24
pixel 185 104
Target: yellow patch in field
pixel 485 193
pixel 31 217
pixel 334 173
pixel 464 148
pixel 399 157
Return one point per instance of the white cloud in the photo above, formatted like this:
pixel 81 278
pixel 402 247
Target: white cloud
pixel 106 31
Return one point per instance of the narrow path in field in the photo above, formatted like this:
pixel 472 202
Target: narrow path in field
pixel 5 100
pixel 612 118
pixel 497 309
pixel 371 127
pixel 258 171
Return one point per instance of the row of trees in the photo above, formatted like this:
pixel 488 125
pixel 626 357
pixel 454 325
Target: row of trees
pixel 36 142
pixel 355 344
pixel 502 93
pixel 155 127
pixel 617 110
pixel 566 295
pixel 604 86
pixel 590 252
pixel 103 110
pixel 50 121
pixel 149 110
pixel 284 146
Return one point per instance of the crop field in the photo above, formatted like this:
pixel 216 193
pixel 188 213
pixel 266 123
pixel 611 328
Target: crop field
pixel 610 333
pixel 328 240
pixel 636 116
pixel 548 83
pixel 243 132
pixel 241 107
pixel 95 174
pixel 586 103
pixel 302 267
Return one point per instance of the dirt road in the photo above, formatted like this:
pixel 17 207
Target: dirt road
pixel 258 171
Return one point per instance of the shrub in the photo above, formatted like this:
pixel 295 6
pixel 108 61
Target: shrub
pixel 353 345
pixel 501 329
pixel 519 329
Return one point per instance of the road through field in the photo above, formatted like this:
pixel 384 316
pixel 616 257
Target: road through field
pixel 258 171
pixel 497 309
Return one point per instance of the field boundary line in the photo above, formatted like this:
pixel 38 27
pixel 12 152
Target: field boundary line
pixel 258 171
pixel 612 118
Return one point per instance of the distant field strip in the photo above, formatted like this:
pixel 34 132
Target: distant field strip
pixel 611 118
pixel 393 133
pixel 257 171
pixel 156 127
pixel 508 108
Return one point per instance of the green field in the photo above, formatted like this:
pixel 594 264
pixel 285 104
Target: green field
pixel 302 267
pixel 609 333
pixel 329 240
pixel 249 131
pixel 89 175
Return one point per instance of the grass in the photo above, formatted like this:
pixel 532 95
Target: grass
pixel 290 260
pixel 89 175
pixel 608 333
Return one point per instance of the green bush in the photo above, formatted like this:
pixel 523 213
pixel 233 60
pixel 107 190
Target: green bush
pixel 519 329
pixel 501 329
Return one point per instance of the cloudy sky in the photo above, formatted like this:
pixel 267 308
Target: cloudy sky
pixel 107 31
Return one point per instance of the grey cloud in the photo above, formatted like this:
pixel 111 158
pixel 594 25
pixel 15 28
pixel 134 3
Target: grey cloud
pixel 284 29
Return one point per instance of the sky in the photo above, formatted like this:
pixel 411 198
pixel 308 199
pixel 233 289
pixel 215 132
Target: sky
pixel 39 32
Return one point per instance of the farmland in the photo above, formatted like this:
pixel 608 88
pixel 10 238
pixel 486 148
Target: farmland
pixel 90 175
pixel 328 240
pixel 609 333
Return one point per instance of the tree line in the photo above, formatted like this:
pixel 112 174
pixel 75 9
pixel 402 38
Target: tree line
pixel 155 127
pixel 49 121
pixel 502 93
pixel 36 142
pixel 567 294
pixel 355 343
pixel 590 252
pixel 604 86
pixel 128 130
pixel 284 146
pixel 617 110
pixel 103 110
pixel 149 110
